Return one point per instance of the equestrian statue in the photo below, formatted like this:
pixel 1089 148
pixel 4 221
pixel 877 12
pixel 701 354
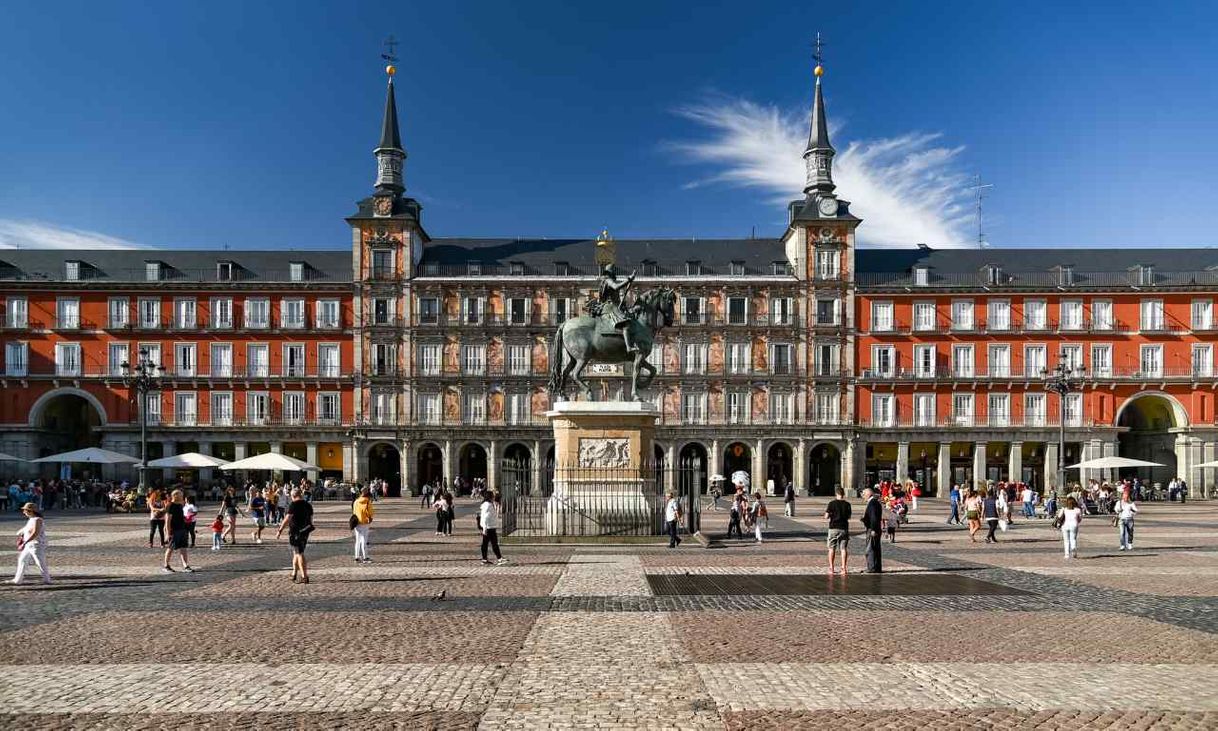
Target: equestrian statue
pixel 612 332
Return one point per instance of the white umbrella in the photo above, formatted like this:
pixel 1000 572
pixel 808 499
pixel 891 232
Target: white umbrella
pixel 271 461
pixel 717 478
pixel 188 460
pixel 1103 463
pixel 1208 464
pixel 9 458
pixel 91 454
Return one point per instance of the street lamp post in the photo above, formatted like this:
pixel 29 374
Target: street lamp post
pixel 143 376
pixel 1062 379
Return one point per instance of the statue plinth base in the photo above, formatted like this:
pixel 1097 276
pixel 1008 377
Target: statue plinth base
pixel 604 472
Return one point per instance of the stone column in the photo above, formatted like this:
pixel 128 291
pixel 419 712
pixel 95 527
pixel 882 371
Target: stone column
pixel 450 470
pixel 716 460
pixel 1194 459
pixel 979 462
pixel 492 466
pixel 311 457
pixel 760 475
pixel 277 447
pixel 1015 462
pixel 800 467
pixel 1051 461
pixel 1206 487
pixel 238 451
pixel 205 473
pixel 902 461
pixel 1086 452
pixel 351 471
pixel 168 449
pixel 537 465
pixel 670 468
pixel 943 470
pixel 404 451
pixel 850 458
pixel 1109 449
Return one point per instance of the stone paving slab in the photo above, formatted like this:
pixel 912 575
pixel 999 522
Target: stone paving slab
pixel 957 720
pixel 264 720
pixel 603 638
pixel 1200 586
pixel 603 575
pixel 373 584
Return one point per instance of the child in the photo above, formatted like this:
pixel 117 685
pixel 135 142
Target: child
pixel 757 513
pixel 217 533
pixel 190 511
pixel 894 517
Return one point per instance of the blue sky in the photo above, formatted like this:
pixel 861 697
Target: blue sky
pixel 251 124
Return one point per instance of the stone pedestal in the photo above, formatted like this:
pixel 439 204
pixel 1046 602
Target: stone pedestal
pixel 604 480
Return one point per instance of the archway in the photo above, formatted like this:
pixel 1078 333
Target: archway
pixel 67 419
pixel 659 462
pixel 430 466
pixel 517 472
pixel 737 456
pixel 385 463
pixel 693 466
pixel 471 465
pixel 1149 421
pixel 824 469
pixel 779 461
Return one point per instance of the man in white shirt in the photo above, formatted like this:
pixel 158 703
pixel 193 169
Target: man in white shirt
pixel 1125 509
pixel 672 519
pixel 1029 502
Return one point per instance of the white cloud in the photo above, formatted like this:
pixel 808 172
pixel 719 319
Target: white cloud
pixel 16 234
pixel 908 189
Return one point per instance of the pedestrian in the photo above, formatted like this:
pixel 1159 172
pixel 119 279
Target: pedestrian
pixel 284 500
pixel 872 518
pixel 156 517
pixel 990 513
pixel 892 519
pixel 299 523
pixel 1068 520
pixel 735 512
pixel 32 544
pixel 1000 501
pixel 426 502
pixel 179 538
pixel 488 524
pixel 972 513
pixel 1184 492
pixel 757 514
pixel 361 519
pixel 257 508
pixel 672 519
pixel 217 533
pixel 450 512
pixel 953 499
pixel 229 509
pixel 191 511
pixel 837 512
pixel 441 511
pixel 1126 508
pixel 788 500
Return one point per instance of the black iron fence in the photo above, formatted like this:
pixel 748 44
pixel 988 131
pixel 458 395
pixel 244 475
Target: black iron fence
pixel 582 500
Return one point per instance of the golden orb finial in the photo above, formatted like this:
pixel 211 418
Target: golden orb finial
pixel 819 71
pixel 391 69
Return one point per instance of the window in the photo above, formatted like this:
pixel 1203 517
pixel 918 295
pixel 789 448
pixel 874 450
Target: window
pixel 739 357
pixel 116 355
pixel 1145 275
pixel 293 407
pixel 294 360
pixel 737 407
pixel 118 312
pixel 430 359
pixel 1035 315
pixel 185 408
pixel 780 268
pixel 924 361
pixel 737 310
pixel 327 314
pixel 257 313
pixel 649 268
pixel 518 409
pixel 329 363
pixel 71 270
pixel 1152 314
pixel 184 360
pixel 1072 356
pixel 736 269
pixel 221 360
pixel 999 361
pixel 152 271
pixel 782 359
pixel 518 310
pixel 962 314
pixel 1072 315
pixel 67 313
pixel 881 317
pixel 1101 361
pixel 221 408
pixel 1035 361
pixel 151 352
pixel 429 311
pixel 382 311
pixel 782 408
pixel 67 359
pixel 16 361
pixel 693 268
pixel 827 408
pixel 924 316
pixel 475 408
pixel 828 264
pixel 296 271
pixel 1203 360
pixel 1072 409
pixel 518 360
pixel 473 268
pixel 695 358
pixel 656 359
pixel 382 264
pixel 693 311
pixel 562 269
pixel 1065 276
pixel 152 407
pixel 329 408
pixel 292 314
pixel 962 361
pixel 562 309
pixel 827 360
pixel 16 312
pixel 883 409
pixel 384 357
pixel 471 310
pixel 1151 361
pixel 1101 315
pixel 430 408
pixel 924 409
pixel 516 269
pixel 999 409
pixel 962 409
pixel 473 359
pixel 224 271
pixel 998 315
pixel 782 311
pixel 222 313
pixel 921 276
pixel 184 313
pixel 1203 315
pixel 257 407
pixel 883 361
pixel 258 363
pixel 826 311
pixel 693 408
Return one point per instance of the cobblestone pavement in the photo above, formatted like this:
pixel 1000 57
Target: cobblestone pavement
pixel 572 636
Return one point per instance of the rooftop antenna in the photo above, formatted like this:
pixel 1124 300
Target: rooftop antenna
pixel 391 45
pixel 817 55
pixel 979 190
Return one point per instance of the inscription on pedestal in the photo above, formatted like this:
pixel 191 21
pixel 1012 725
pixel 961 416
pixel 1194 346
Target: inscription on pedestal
pixel 613 453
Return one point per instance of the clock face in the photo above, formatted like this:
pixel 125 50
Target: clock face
pixel 828 207
pixel 384 206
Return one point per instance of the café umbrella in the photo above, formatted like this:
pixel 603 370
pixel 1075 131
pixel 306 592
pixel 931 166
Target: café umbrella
pixel 90 455
pixel 271 461
pixel 1111 463
pixel 187 460
pixel 9 458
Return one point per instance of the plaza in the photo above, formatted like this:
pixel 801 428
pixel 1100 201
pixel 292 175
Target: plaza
pixel 620 635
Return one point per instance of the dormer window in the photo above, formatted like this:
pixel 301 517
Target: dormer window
pixel 1146 275
pixel 152 271
pixel 473 268
pixel 993 274
pixel 431 269
pixel 649 268
pixel 1065 275
pixel 693 268
pixel 516 269
pixel 780 268
pixel 71 271
pixel 736 269
pixel 562 269
pixel 224 271
pixel 296 271
pixel 921 276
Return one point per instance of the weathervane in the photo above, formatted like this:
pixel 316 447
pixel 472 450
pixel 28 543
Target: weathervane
pixel 390 48
pixel 819 57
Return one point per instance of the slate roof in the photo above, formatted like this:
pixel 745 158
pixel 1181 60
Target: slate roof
pixel 127 265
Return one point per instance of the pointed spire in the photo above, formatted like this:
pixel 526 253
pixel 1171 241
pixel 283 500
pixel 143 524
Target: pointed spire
pixel 389 153
pixel 819 154
pixel 390 138
pixel 818 136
